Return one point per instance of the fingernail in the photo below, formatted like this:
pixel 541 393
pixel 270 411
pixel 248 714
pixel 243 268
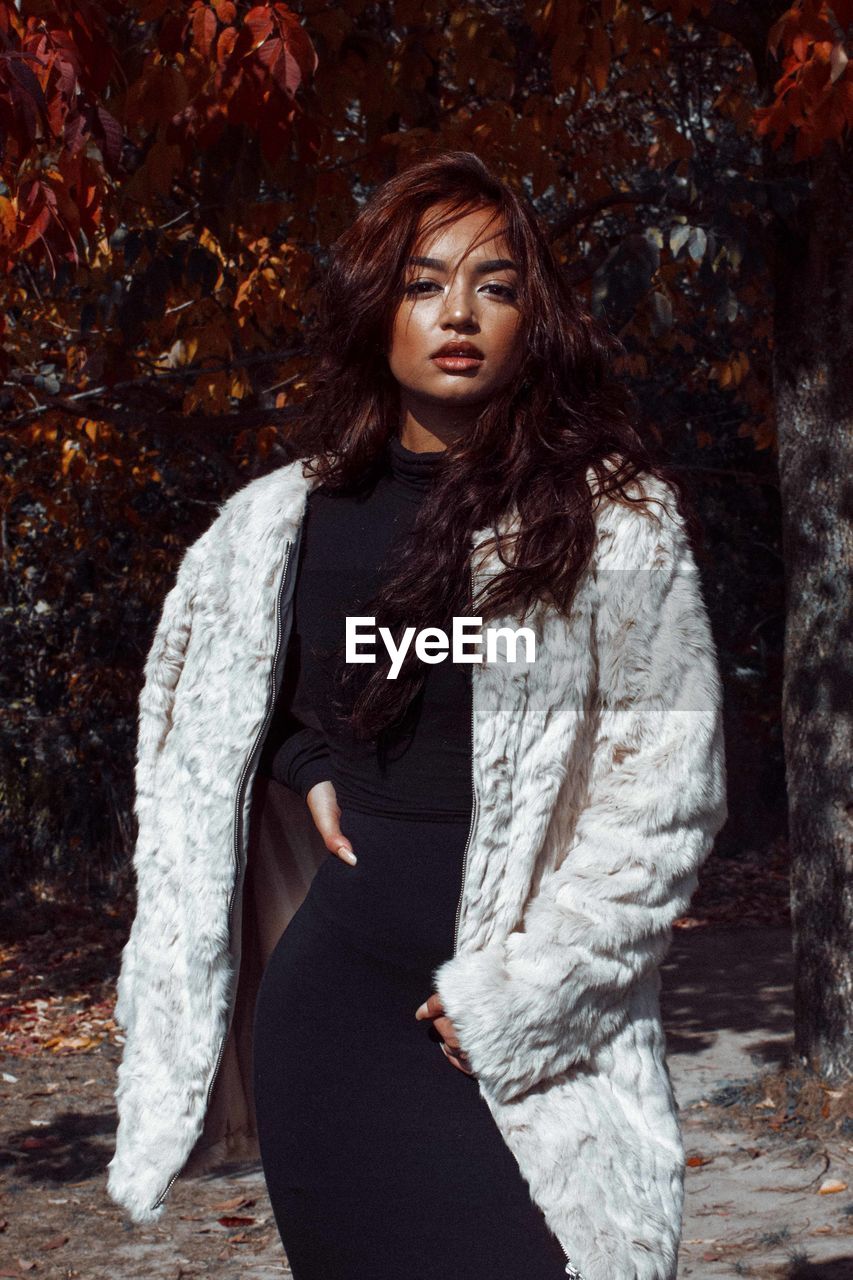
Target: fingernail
pixel 421 1011
pixel 347 854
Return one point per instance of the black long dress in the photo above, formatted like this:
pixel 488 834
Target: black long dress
pixel 381 1159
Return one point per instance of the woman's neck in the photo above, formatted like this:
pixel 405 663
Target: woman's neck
pixel 434 427
pixel 413 469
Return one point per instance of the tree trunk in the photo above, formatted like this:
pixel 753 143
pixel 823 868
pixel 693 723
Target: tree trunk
pixel 813 374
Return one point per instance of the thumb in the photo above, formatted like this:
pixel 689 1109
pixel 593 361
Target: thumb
pixel 335 840
pixel 325 812
pixel 342 847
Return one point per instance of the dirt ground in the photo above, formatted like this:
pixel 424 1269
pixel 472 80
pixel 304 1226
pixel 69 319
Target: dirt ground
pixel 765 1145
pixel 765 1149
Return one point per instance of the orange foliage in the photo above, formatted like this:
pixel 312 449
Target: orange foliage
pixel 178 162
pixel 814 94
pixel 209 67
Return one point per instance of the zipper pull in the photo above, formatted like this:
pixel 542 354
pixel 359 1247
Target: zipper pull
pixel 572 1272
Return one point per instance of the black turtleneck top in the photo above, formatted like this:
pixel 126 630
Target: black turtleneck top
pixel 424 767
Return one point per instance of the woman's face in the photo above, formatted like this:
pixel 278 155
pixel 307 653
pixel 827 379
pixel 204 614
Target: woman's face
pixel 455 294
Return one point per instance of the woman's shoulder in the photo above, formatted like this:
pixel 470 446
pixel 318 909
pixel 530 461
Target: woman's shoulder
pixel 288 482
pixel 269 503
pixel 640 526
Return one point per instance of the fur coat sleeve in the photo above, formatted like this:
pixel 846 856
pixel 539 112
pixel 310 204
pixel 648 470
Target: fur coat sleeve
pixel 163 668
pixel 543 999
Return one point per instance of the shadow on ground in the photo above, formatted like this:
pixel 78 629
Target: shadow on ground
pixel 734 982
pixel 74 1146
pixel 835 1269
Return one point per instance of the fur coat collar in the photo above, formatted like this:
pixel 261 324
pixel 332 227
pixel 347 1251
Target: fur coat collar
pixel 599 785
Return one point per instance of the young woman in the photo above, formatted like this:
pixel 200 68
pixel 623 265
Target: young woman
pixel 437 1006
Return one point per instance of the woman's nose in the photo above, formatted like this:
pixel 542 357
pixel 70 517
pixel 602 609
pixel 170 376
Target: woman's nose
pixel 458 308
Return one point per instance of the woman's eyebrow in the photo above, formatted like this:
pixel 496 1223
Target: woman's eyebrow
pixel 490 264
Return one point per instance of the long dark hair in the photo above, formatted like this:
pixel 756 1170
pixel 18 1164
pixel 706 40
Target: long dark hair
pixel 528 451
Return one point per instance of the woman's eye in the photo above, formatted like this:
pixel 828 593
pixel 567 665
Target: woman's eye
pixel 421 286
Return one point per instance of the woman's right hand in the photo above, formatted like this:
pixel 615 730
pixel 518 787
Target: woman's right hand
pixel 323 805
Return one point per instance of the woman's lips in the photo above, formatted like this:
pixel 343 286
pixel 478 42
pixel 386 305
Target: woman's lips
pixel 457 364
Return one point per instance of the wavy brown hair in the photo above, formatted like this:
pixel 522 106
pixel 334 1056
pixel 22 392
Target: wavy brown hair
pixel 528 449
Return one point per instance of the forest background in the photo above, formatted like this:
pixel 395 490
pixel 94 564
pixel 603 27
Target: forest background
pixel 172 174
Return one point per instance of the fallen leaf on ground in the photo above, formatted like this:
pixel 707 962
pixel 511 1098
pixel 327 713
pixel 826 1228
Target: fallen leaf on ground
pixel 238 1202
pixel 56 1243
pixel 831 1184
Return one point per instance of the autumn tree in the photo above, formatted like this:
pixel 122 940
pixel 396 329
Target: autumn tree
pixel 812 255
pixel 172 174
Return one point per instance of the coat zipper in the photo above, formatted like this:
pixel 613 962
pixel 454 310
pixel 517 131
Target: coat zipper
pixel 475 807
pixel 238 826
pixel 571 1270
pixel 474 811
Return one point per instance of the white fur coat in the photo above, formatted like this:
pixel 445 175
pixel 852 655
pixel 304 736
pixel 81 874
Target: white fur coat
pixel 599 783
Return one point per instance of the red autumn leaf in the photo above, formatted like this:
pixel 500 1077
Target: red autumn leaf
pixel 204 30
pixel 225 45
pixel 237 1202
pixel 233 1221
pixel 56 1243
pixel 256 27
pixel 296 38
pixel 599 65
pixel 33 1143
pixel 28 100
pixel 111 137
pixel 283 68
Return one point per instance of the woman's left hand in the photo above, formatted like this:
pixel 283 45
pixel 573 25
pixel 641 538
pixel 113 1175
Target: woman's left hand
pixel 450 1046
